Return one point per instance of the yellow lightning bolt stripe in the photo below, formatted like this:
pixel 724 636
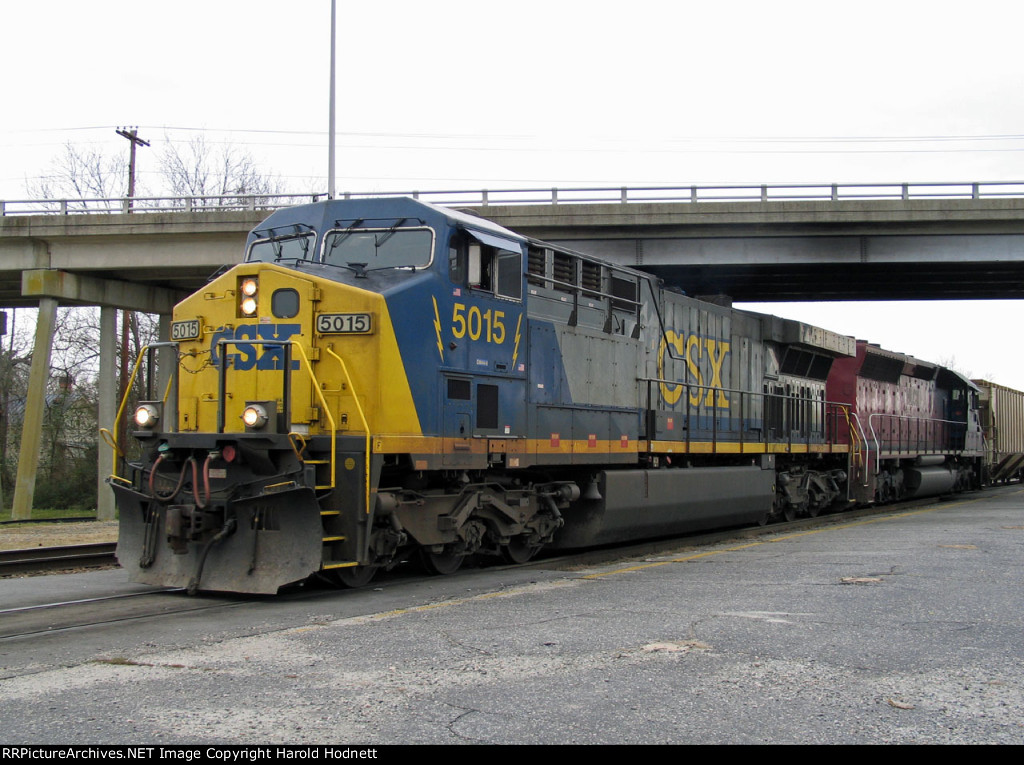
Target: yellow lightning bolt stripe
pixel 437 328
pixel 515 351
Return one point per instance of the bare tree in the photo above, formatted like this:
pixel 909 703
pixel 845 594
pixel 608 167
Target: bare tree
pixel 15 359
pixel 197 169
pixel 79 174
pixel 67 467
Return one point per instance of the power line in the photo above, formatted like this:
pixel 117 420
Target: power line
pixel 534 136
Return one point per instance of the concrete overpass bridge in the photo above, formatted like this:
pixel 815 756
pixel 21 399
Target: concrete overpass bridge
pixel 792 242
pixel 755 243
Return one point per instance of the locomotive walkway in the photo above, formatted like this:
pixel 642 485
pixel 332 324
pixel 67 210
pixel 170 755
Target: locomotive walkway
pixel 766 242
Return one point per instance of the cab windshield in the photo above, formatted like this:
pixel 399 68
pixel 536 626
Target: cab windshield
pixel 379 248
pixel 282 248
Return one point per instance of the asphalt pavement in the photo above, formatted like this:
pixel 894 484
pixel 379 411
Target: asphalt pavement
pixel 903 628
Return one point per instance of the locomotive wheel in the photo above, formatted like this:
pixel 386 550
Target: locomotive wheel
pixel 441 564
pixel 354 576
pixel 817 505
pixel 789 512
pixel 519 550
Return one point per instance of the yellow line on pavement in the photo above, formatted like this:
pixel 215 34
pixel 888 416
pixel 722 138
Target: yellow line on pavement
pixel 785 538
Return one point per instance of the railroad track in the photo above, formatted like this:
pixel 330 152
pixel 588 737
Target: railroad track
pixel 55 617
pixel 39 559
pixel 42 559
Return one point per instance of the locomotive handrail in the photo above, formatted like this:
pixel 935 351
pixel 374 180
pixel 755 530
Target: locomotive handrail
pixel 111 438
pixel 625 195
pixel 899 438
pixel 858 439
pixel 286 403
pixel 362 417
pixel 861 435
pixel 581 288
pixel 222 375
pixel 578 290
pixel 326 411
pixel 806 429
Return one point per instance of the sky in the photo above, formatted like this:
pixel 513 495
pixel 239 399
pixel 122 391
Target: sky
pixel 466 95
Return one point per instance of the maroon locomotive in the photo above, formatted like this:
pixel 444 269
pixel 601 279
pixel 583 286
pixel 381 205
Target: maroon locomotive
pixel 913 426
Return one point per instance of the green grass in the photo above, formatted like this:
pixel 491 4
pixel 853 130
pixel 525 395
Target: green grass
pixel 51 512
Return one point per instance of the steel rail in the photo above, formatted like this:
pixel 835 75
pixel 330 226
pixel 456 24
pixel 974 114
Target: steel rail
pixel 56 558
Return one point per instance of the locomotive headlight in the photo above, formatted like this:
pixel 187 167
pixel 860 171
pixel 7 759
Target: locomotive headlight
pixel 254 416
pixel 147 414
pixel 260 416
pixel 248 289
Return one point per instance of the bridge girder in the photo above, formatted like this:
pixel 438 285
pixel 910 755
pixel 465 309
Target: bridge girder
pixel 78 289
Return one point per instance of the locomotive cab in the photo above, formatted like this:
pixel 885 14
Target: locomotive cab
pixel 312 372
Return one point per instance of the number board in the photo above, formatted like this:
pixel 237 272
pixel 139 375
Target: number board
pixel 185 330
pixel 344 323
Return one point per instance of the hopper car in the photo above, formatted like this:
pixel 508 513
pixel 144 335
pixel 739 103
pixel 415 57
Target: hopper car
pixel 1002 421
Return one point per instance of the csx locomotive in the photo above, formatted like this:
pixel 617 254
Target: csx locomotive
pixel 382 379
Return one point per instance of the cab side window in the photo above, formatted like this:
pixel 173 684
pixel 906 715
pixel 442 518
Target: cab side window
pixel 481 271
pixel 485 268
pixel 509 269
pixel 457 259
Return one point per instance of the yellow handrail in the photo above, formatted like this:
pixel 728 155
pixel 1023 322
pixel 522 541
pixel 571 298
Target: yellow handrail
pixel 855 438
pixel 362 418
pixel 111 438
pixel 326 410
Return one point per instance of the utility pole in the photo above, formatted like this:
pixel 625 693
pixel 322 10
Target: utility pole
pixel 133 138
pixel 126 316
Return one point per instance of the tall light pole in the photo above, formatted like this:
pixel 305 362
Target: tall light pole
pixel 330 128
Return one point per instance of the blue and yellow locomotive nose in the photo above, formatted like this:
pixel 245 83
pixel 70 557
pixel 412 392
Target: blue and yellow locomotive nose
pixel 263 475
pixel 237 335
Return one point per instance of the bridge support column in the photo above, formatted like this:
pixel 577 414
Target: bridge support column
pixel 53 286
pixel 106 410
pixel 35 405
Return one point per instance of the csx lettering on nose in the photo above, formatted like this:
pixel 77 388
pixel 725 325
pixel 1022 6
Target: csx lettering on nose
pixel 244 356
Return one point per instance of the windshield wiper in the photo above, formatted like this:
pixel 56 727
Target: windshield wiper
pixel 300 232
pixel 391 232
pixel 346 234
pixel 359 269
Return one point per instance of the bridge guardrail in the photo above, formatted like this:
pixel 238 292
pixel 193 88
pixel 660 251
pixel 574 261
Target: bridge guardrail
pixel 98 206
pixel 765 193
